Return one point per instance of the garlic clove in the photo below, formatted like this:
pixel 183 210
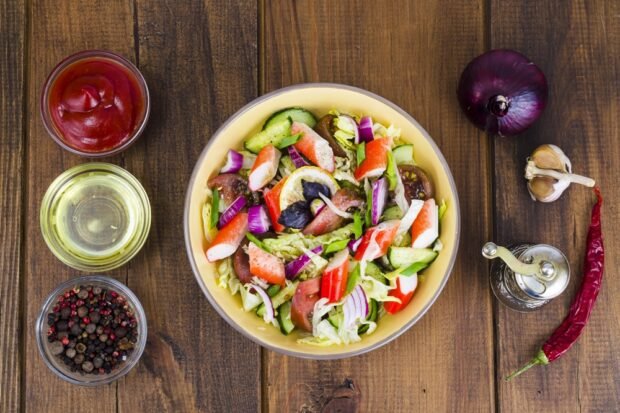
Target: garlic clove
pixel 545 189
pixel 547 157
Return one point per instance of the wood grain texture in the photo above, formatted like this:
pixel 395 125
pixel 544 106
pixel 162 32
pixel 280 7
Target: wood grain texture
pixel 12 40
pixel 58 29
pixel 411 53
pixel 577 44
pixel 200 61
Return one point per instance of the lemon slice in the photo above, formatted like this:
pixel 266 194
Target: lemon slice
pixel 292 190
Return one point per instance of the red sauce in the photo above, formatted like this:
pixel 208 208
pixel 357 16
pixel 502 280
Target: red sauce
pixel 96 104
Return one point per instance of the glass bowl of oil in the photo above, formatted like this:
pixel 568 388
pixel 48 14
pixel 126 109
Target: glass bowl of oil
pixel 95 217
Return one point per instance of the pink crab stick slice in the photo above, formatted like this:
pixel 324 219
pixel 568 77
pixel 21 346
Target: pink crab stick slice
pixel 228 238
pixel 375 162
pixel 313 146
pixel 265 167
pixel 425 228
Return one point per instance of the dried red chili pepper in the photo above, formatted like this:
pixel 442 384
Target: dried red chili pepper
pixel 569 331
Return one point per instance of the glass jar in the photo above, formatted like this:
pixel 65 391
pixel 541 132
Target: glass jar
pixel 95 217
pixel 55 364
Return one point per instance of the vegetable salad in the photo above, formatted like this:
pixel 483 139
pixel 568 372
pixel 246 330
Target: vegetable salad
pixel 322 225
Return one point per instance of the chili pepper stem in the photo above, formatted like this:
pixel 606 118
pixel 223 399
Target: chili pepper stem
pixel 541 358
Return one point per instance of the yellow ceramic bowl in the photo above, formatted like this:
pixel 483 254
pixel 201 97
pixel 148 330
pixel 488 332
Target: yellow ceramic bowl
pixel 319 99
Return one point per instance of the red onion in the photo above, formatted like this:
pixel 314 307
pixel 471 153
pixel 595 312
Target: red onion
pixel 365 130
pixel 234 162
pixel 258 221
pixel 379 197
pixel 297 159
pixel 354 244
pixel 293 268
pixel 355 306
pixel 502 92
pixel 232 211
pixel 269 311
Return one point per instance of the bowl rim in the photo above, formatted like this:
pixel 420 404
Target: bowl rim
pixel 188 246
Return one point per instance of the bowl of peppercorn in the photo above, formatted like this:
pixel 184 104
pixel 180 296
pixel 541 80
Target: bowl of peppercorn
pixel 91 330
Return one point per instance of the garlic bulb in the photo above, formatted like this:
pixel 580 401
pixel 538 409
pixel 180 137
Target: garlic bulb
pixel 549 173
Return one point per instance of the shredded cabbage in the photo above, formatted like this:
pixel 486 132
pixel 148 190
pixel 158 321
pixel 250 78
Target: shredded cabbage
pixel 225 271
pixel 325 334
pixel 377 290
pixel 290 246
pixel 399 193
pixel 442 208
pixel 343 170
pixel 391 131
pixel 438 245
pixel 250 301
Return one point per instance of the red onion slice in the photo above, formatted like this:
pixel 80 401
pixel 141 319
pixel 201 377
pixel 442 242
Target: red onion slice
pixel 355 306
pixel 258 220
pixel 234 162
pixel 354 244
pixel 365 130
pixel 269 310
pixel 293 268
pixel 379 198
pixel 296 157
pixel 232 211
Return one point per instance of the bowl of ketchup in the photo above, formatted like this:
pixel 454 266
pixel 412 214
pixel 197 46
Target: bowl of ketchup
pixel 95 103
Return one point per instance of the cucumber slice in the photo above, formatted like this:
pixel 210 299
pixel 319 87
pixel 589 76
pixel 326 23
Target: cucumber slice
pixel 372 316
pixel 285 294
pixel 274 134
pixel 273 290
pixel 335 318
pixel 405 256
pixel 300 115
pixel 284 318
pixel 403 155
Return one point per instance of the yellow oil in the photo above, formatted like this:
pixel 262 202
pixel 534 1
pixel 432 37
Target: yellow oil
pixel 96 216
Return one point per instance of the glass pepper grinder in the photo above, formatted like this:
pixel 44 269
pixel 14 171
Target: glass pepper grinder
pixel 527 276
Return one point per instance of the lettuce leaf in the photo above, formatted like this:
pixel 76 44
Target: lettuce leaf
pixel 291 246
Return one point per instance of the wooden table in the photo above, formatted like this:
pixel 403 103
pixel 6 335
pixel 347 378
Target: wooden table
pixel 203 61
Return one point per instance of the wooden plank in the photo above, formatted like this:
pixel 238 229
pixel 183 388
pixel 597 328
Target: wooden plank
pixel 12 39
pixel 411 53
pixel 200 61
pixel 58 29
pixel 577 45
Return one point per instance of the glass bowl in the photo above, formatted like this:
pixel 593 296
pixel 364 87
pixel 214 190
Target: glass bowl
pixel 56 364
pixel 95 217
pixel 89 56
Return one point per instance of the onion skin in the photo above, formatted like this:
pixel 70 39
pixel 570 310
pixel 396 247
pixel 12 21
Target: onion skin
pixel 502 92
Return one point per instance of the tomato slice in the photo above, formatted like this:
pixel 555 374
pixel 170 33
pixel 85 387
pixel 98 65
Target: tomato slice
pixel 266 266
pixel 306 295
pixel 334 279
pixel 272 201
